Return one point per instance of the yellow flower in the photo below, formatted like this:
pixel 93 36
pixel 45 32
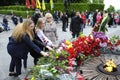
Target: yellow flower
pixel 57 56
pixel 69 46
pixel 33 78
pixel 67 42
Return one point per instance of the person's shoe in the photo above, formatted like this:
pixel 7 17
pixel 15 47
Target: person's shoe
pixel 64 31
pixel 12 74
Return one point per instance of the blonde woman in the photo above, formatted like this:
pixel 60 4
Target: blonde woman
pixel 41 40
pixel 39 31
pixel 19 45
pixel 50 29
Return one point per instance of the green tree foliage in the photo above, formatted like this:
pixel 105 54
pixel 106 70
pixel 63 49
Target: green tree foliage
pixel 85 1
pixel 98 1
pixel 11 2
pixel 118 11
pixel 95 1
pixel 101 1
pixel 22 2
pixel 111 9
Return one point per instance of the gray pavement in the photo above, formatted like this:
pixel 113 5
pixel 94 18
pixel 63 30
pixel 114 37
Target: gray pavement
pixel 5 58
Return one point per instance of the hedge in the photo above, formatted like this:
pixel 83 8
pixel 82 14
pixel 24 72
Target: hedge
pixel 18 13
pixel 21 10
pixel 14 7
pixel 60 6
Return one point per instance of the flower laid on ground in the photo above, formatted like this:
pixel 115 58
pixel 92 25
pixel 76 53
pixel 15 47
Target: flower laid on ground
pixel 114 43
pixel 51 66
pixel 85 47
pixel 56 64
pixel 63 45
pixel 82 48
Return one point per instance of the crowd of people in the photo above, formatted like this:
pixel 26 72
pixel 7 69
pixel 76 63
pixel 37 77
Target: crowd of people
pixel 38 33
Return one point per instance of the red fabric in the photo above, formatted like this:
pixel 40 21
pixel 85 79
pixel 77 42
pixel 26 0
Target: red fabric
pixel 84 18
pixel 28 4
pixel 25 78
pixel 33 3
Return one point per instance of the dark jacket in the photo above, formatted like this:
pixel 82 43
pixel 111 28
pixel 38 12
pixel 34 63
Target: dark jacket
pixel 21 49
pixel 64 18
pixel 21 19
pixel 40 44
pixel 5 21
pixel 76 24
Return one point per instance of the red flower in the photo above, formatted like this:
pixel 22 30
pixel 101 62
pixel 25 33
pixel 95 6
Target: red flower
pixel 25 78
pixel 118 43
pixel 71 53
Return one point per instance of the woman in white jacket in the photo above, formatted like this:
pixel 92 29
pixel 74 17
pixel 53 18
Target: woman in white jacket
pixel 41 40
pixel 39 31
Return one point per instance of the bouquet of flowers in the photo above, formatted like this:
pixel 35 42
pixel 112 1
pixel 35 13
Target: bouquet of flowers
pixel 56 66
pixel 50 67
pixel 114 44
pixel 86 47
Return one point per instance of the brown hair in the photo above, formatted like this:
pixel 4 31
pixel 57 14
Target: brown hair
pixel 22 29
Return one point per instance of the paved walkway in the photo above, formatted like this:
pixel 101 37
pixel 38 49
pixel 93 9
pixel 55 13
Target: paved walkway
pixel 5 58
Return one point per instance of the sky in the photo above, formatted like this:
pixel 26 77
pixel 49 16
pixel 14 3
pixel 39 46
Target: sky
pixel 115 3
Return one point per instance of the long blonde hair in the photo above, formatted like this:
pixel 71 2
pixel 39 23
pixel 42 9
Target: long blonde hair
pixel 22 29
pixel 39 22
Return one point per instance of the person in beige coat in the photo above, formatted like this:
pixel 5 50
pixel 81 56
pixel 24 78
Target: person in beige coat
pixel 50 29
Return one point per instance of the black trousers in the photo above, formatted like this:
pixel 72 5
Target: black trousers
pixel 15 63
pixel 75 35
pixel 64 26
pixel 25 63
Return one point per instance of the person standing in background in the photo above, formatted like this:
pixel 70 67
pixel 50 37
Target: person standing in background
pixel 15 20
pixel 64 21
pixel 76 25
pixel 83 16
pixel 21 19
pixel 5 23
pixel 94 18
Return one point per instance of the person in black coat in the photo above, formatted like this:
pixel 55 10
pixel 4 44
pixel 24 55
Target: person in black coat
pixel 36 16
pixel 110 22
pixel 76 25
pixel 15 19
pixel 5 23
pixel 72 13
pixel 21 19
pixel 64 22
pixel 68 15
pixel 94 18
pixel 20 44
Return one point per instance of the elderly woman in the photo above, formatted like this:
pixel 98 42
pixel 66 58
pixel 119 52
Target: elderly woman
pixel 50 29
